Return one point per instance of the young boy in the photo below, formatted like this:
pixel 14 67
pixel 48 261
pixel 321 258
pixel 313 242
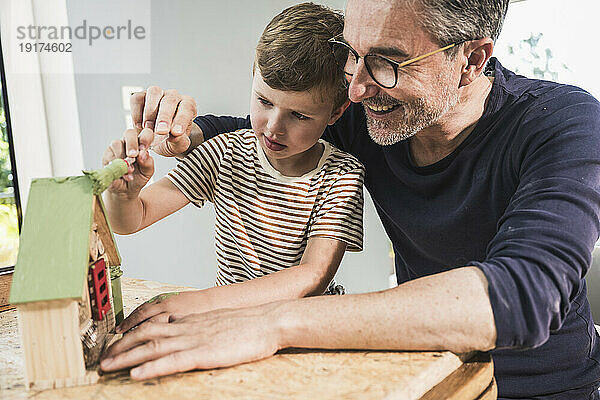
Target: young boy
pixel 287 204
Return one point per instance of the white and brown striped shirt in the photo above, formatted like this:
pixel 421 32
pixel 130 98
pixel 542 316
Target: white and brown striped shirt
pixel 263 218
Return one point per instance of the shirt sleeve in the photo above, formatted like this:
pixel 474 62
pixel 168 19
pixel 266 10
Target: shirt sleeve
pixel 196 175
pixel 536 263
pixel 340 212
pixel 213 125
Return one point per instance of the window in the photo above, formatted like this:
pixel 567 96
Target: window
pixel 10 210
pixel 552 40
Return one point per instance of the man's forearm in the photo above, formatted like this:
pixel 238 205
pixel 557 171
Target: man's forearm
pixel 446 311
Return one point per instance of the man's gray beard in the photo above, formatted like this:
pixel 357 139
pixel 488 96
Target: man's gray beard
pixel 417 116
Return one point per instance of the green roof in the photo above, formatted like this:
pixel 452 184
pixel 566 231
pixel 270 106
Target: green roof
pixel 53 249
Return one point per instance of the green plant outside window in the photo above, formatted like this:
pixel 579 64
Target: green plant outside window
pixel 9 225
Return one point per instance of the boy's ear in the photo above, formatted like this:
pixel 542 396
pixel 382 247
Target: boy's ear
pixel 337 113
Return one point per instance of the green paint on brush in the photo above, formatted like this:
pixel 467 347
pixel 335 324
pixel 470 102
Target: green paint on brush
pixel 102 178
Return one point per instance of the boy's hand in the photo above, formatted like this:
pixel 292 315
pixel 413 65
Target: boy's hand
pixel 170 117
pixel 137 145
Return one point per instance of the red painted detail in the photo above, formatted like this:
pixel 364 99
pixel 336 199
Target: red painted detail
pixel 100 289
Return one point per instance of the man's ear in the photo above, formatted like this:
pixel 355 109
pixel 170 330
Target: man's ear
pixel 476 53
pixel 337 113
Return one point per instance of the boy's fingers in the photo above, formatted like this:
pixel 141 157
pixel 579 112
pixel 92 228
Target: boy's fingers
pixel 145 164
pixel 131 142
pixel 136 103
pixel 184 115
pixel 115 150
pixel 154 95
pixel 166 111
pixel 108 155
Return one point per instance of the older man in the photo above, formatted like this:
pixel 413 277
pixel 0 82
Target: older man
pixel 487 183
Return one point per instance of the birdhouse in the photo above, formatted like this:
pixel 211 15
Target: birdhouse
pixel 61 284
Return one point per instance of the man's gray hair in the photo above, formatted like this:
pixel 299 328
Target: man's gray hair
pixel 455 21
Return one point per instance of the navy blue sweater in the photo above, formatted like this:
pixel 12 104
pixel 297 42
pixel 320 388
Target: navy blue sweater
pixel 519 199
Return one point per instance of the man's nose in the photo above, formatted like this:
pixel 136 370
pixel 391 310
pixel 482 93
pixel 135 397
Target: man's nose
pixel 361 85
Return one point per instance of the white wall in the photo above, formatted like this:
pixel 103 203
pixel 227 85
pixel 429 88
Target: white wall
pixel 204 49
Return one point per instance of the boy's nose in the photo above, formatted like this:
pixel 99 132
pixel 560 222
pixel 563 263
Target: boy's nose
pixel 275 124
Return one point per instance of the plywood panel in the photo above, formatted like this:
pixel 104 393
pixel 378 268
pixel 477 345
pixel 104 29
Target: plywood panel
pixel 467 382
pixel 491 393
pixel 51 340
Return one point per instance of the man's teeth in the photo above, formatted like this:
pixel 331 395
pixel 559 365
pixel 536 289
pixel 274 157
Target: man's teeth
pixel 379 108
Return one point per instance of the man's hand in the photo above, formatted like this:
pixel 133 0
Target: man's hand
pixel 216 339
pixel 141 171
pixel 169 115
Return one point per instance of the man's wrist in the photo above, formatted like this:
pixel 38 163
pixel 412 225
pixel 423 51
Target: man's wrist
pixel 283 321
pixel 196 138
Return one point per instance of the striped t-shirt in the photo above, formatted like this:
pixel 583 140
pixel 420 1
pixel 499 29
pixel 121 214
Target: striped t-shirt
pixel 263 218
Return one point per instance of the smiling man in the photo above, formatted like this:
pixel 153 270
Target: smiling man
pixel 488 185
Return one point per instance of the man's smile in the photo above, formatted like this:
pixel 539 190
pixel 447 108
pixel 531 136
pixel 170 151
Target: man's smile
pixel 380 110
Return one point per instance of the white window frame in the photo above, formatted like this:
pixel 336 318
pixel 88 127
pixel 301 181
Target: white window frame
pixel 43 106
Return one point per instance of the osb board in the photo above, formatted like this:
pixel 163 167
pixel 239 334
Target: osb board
pixel 294 374
pixel 5 281
pixel 12 363
pixel 137 291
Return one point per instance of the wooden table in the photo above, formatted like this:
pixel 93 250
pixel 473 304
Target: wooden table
pixel 290 374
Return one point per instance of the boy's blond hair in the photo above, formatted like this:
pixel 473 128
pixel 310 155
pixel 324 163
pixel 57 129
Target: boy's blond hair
pixel 293 53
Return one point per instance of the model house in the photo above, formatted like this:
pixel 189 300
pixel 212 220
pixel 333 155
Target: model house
pixel 61 285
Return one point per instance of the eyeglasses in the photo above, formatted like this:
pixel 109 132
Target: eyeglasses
pixel 383 70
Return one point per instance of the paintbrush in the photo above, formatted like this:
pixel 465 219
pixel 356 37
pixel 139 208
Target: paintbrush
pixel 103 177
